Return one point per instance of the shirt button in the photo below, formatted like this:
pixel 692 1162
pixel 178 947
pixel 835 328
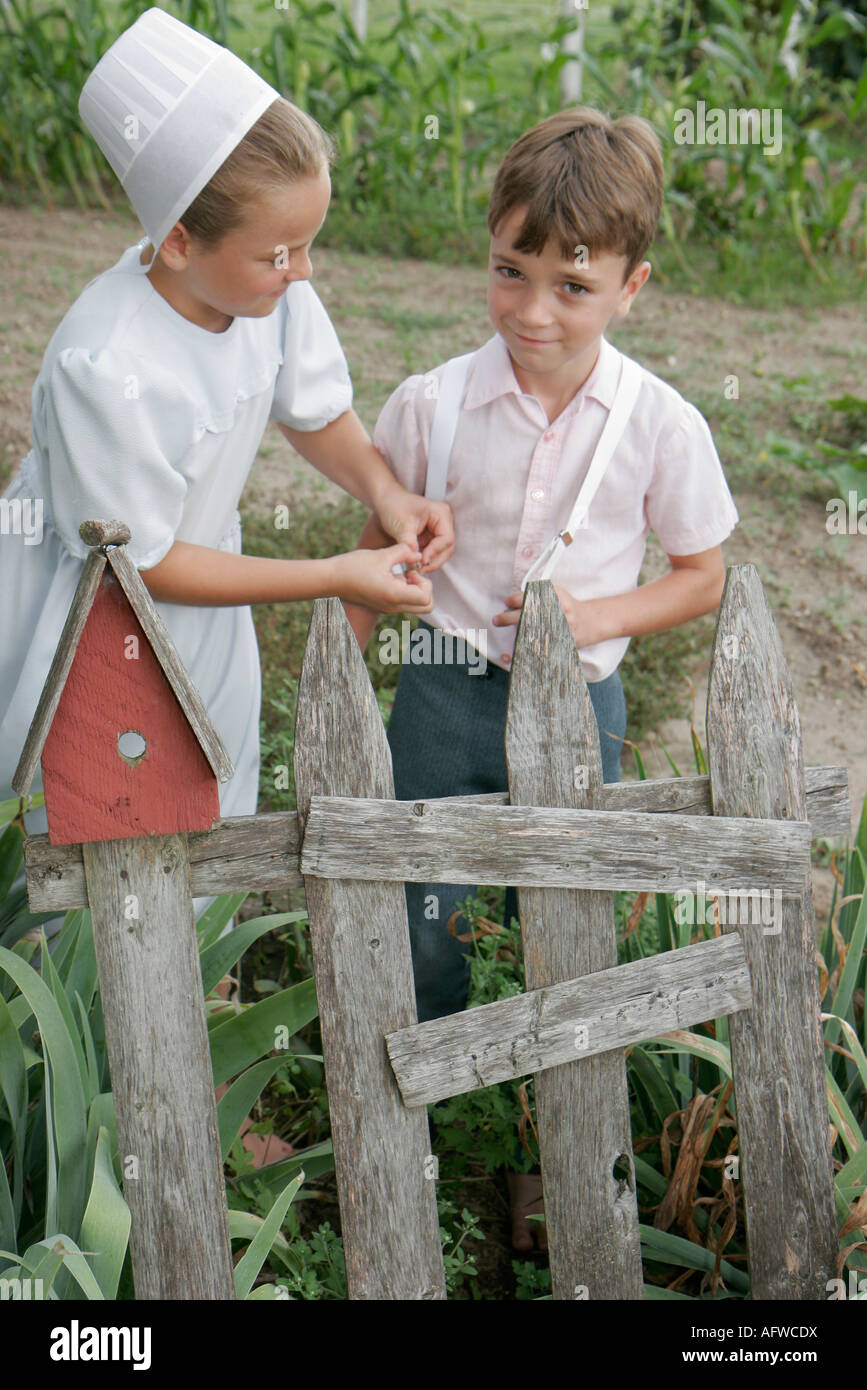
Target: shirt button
pixel 506 660
pixel 538 494
pixel 548 437
pixel 528 551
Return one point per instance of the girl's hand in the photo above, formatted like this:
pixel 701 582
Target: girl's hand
pixel 426 525
pixel 582 616
pixel 364 577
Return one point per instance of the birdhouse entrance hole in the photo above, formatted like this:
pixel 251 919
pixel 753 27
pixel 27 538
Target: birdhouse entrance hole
pixel 131 746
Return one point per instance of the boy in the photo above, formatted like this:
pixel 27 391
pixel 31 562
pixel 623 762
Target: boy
pixel 573 211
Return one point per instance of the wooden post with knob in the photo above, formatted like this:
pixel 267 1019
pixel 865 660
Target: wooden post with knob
pixel 115 672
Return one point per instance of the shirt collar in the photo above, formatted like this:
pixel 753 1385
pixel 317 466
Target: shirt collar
pixel 492 375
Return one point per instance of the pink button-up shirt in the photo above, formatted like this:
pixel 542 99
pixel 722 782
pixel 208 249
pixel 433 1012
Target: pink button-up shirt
pixel 513 478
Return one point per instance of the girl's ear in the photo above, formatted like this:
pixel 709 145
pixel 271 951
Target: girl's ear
pixel 177 249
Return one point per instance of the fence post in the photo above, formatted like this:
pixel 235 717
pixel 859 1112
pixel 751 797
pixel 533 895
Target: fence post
pixel 755 766
pixel 150 984
pixel 364 984
pixel 582 1107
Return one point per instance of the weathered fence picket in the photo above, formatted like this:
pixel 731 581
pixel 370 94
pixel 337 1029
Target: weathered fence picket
pixel 582 1106
pixel 363 968
pixel 755 766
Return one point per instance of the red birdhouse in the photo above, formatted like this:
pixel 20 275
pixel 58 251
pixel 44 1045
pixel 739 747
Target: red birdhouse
pixel 126 744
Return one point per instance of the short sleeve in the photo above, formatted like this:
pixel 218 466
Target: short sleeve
pixel 112 425
pixel 688 504
pixel 313 385
pixel 399 437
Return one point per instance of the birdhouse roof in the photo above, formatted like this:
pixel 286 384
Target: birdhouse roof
pixel 107 539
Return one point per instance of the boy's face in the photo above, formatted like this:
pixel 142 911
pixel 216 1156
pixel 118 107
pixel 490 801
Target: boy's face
pixel 552 312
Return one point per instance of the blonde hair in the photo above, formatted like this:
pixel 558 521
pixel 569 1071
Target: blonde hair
pixel 284 145
pixel 585 180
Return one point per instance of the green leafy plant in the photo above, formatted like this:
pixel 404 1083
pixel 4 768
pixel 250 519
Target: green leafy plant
pixel 64 1224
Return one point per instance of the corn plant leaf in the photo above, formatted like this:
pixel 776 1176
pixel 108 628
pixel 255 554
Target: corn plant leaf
pixel 106 1224
pixel 11 855
pixel 92 1077
pixel 235 1105
pixel 8 1217
pixel 698 753
pixel 662 1247
pixel 51 1222
pixel 13 1086
pixel 248 1267
pixel 672 764
pixel 252 1034
pixel 854 1171
pixel 245 1225
pixel 218 959
pixel 69 1113
pixel 842 1117
pixel 851 1041
pixel 65 944
pixel 315 1160
pixel 52 979
pixel 649 1176
pixel 71 1259
pixel 217 916
pixel 42 1262
pixel 699 1044
pixel 101 1114
pixel 650 1069
pixel 9 810
pixel 81 977
pixel 861 834
pixel 842 1001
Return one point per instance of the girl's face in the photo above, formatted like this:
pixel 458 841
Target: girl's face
pixel 248 272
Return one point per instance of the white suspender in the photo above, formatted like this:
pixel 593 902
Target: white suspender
pixel 445 421
pixel 625 398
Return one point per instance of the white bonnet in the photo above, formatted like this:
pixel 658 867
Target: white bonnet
pixel 167 106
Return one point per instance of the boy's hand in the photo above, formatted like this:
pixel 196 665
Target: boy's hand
pixel 420 522
pixel 582 616
pixel 365 577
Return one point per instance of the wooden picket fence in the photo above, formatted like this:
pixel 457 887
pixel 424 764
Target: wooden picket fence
pixel 567 842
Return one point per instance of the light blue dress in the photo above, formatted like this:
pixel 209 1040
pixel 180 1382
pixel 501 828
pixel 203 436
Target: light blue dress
pixel 142 416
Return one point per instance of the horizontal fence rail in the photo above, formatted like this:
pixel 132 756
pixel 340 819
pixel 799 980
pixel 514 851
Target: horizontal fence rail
pixel 262 852
pixel 618 1007
pixel 540 847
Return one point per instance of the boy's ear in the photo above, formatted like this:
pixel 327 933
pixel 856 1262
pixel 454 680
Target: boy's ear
pixel 633 284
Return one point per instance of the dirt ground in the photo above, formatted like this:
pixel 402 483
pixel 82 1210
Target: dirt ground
pixel 815 583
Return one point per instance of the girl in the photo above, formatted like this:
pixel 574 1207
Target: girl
pixel 155 390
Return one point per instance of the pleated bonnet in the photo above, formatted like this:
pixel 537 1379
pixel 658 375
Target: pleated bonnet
pixel 167 106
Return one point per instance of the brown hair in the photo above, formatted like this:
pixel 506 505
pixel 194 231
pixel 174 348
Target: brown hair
pixel 284 145
pixel 585 180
